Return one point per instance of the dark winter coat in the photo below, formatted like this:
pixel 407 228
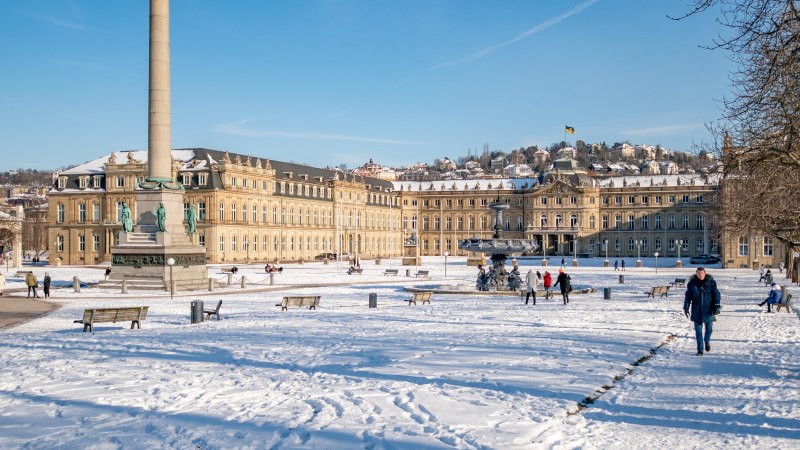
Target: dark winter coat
pixel 564 281
pixel 47 281
pixel 703 298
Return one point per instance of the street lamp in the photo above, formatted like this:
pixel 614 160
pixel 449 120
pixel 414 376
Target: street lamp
pixel 638 253
pixel 445 263
pixel 656 255
pixel 170 263
pixel 680 244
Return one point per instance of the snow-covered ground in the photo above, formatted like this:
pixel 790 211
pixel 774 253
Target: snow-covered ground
pixel 464 371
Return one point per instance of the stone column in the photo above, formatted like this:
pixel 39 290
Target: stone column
pixel 159 151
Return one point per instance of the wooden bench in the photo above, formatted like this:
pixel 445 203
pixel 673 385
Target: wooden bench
pixel 679 282
pixel 422 273
pixel 136 314
pixel 784 304
pixel 392 272
pixel 656 290
pixel 212 312
pixel 22 273
pixel 312 301
pixel 424 297
pixel 353 270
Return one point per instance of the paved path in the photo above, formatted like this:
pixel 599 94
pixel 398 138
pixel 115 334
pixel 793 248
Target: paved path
pixel 17 310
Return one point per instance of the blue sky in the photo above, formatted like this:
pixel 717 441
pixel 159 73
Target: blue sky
pixel 341 81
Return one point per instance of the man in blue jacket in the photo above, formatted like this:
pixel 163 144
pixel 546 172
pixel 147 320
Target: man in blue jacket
pixel 703 297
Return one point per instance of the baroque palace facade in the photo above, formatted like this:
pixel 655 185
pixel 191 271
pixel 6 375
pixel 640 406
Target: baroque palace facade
pixel 253 210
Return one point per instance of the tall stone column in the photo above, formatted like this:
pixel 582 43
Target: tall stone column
pixel 159 147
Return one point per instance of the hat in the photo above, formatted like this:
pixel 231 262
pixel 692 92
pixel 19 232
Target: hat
pixel 773 283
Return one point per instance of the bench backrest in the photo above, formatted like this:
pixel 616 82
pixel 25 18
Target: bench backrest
pixel 422 296
pixel 219 303
pixel 680 280
pixel 422 272
pixel 115 314
pixel 391 270
pixel 300 300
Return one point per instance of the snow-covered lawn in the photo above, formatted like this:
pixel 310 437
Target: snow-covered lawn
pixel 464 372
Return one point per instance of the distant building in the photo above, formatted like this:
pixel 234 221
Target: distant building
pixel 567 152
pixel 651 168
pixel 374 170
pixel 517 171
pixel 669 168
pixel 498 164
pixel 542 157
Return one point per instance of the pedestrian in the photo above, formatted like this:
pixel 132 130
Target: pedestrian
pixel 703 297
pixel 108 272
pixel 566 285
pixel 781 266
pixel 532 282
pixel 548 281
pixel 761 273
pixel 768 277
pixel 31 282
pixel 616 264
pixel 775 296
pixel 266 268
pixel 563 262
pixel 46 285
pixel 2 283
pixel 623 265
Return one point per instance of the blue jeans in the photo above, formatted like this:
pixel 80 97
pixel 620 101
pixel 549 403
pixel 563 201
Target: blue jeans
pixel 698 331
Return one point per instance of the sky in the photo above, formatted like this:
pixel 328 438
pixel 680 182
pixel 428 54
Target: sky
pixel 334 82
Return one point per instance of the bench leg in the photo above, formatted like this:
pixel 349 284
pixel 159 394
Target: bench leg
pixel 135 322
pixel 85 327
pixel 283 308
pixel 312 307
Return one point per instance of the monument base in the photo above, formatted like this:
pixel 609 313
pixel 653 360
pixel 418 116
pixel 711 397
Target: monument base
pixel 476 261
pixel 412 261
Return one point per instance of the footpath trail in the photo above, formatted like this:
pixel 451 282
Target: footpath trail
pixel 745 393
pixel 17 310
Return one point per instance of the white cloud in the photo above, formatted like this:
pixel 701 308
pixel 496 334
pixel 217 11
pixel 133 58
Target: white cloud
pixel 239 128
pixel 526 34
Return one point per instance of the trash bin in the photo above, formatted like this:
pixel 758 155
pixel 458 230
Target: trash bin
pixel 408 272
pixel 197 311
pixel 607 293
pixel 622 279
pixel 373 300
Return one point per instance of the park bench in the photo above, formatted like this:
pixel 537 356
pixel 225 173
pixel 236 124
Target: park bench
pixel 663 291
pixel 784 304
pixel 22 273
pixel 392 272
pixel 312 301
pixel 422 273
pixel 353 270
pixel 678 282
pixel 424 297
pixel 96 315
pixel 212 312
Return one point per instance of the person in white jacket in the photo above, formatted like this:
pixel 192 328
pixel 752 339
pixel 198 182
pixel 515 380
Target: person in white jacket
pixel 532 280
pixel 2 284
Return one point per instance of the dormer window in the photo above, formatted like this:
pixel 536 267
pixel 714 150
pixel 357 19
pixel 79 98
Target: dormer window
pixel 186 179
pixel 202 179
pixel 97 181
pixel 62 182
pixel 82 182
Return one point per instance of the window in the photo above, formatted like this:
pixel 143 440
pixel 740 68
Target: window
pixel 62 182
pixel 448 223
pixel 768 247
pixel 201 211
pixel 671 245
pixel 186 179
pixel 631 222
pixel 618 200
pixel 616 245
pixel 644 246
pixel 698 199
pixel 436 223
pixel 605 222
pixel 559 221
pixel 119 212
pixel 120 182
pixel 645 221
pixel 685 198
pixel 671 222
pixel 221 212
pixel 699 222
pixel 202 179
pixel 543 200
pixel 558 200
pixel 606 200
pixel 645 200
pixel 699 245
pixel 592 223
pixel 617 222
pixel 631 200
pixel 672 199
pixel 685 221
pixel 519 223
pixel 573 200
pixel 472 202
pixel 97 181
pixel 659 199
pixel 96 243
pixel 233 243
pixel 264 214
pixel 60 217
pixel 631 245
pixel 201 239
pixel 222 245
pixel 508 223
pixel 658 244
pixel 483 222
pixel 60 243
pixel 460 223
pixel 425 223
pixel 81 243
pixel 82 182
pixel 96 212
pixel 82 213
pixel 573 220
pixel 233 214
pixel 658 222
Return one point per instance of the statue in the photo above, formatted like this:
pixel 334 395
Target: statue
pixel 161 215
pixel 127 220
pixel 481 283
pixel 514 279
pixel 191 218
pixel 412 240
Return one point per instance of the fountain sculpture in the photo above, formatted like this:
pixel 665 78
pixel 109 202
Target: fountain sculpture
pixel 497 278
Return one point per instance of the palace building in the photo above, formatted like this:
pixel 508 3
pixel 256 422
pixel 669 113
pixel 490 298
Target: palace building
pixel 259 210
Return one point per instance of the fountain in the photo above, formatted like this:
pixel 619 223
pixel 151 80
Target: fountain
pixel 497 278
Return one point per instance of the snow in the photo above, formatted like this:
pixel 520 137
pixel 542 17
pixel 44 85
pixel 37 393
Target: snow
pixel 464 371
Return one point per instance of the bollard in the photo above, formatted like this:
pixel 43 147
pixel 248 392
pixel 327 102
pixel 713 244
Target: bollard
pixel 196 311
pixel 622 279
pixel 271 278
pixel 230 279
pixel 124 286
pixel 326 261
pixel 605 263
pixel 244 281
pixel 378 262
pixel 76 284
pixel 373 300
pixel 210 284
pixel 607 293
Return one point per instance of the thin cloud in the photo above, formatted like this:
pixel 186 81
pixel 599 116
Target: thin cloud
pixel 660 131
pixel 55 21
pixel 239 129
pixel 542 26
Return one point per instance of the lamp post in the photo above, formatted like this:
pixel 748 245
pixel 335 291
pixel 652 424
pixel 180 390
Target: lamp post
pixel 679 263
pixel 638 253
pixel 170 263
pixel 656 255
pixel 446 254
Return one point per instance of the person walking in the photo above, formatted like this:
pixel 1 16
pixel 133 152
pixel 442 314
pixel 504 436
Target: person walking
pixel 31 282
pixel 761 273
pixel 548 281
pixel 616 264
pixel 566 285
pixel 108 272
pixel 2 283
pixel 46 284
pixel 703 298
pixel 775 296
pixel 768 277
pixel 532 281
pixel 623 265
pixel 563 262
